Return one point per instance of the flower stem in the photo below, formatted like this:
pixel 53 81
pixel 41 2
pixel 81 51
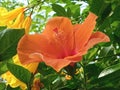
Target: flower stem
pixel 85 78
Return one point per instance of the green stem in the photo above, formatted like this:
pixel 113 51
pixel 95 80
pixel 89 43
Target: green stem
pixel 83 65
pixel 28 87
pixel 85 79
pixel 50 87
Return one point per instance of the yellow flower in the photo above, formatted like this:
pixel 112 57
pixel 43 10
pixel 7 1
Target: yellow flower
pixel 20 22
pixel 11 15
pixel 16 20
pixel 3 10
pixel 26 24
pixel 6 18
pixel 12 80
pixel 68 77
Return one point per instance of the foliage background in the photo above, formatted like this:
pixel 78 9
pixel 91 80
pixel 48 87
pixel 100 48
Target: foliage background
pixel 100 67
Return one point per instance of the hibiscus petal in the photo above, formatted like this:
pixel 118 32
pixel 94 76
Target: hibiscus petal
pixel 56 64
pixel 38 43
pixel 74 58
pixel 62 30
pixel 60 23
pixel 97 38
pixel 84 31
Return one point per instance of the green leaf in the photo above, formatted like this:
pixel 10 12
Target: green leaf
pixel 110 70
pixel 98 6
pixel 8 42
pixel 96 69
pixel 117 32
pixel 44 69
pixel 69 13
pixel 48 79
pixel 10 88
pixel 107 10
pixel 76 12
pixel 2 86
pixel 19 72
pixel 112 78
pixel 60 11
pixel 91 54
pixel 105 50
pixel 2 27
pixel 116 14
pixel 3 68
pixel 104 24
pixel 104 88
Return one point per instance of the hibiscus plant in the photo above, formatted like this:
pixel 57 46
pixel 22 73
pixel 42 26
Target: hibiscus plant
pixel 59 45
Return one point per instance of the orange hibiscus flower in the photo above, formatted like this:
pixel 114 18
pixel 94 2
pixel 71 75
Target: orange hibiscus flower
pixel 61 43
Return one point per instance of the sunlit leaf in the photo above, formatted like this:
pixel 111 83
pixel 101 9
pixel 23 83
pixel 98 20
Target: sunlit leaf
pixel 105 51
pixel 110 70
pixel 60 11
